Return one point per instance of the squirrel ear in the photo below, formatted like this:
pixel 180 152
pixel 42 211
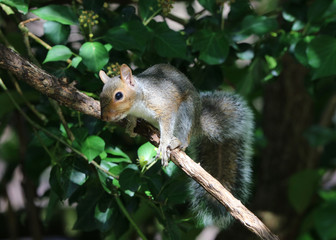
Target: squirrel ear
pixel 103 76
pixel 126 74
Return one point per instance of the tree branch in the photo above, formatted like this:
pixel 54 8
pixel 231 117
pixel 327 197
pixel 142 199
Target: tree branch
pixel 68 95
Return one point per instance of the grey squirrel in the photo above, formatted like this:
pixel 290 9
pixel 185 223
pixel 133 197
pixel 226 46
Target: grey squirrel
pixel 217 128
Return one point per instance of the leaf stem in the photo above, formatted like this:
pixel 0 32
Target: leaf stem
pixel 128 216
pixel 145 22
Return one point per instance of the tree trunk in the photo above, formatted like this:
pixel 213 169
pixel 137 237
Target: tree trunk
pixel 288 112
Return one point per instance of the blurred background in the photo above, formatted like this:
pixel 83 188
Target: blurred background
pixel 280 55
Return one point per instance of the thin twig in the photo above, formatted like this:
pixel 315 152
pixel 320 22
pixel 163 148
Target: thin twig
pixel 130 219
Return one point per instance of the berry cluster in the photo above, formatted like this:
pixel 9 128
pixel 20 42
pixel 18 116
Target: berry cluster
pixel 113 70
pixel 166 6
pixel 88 18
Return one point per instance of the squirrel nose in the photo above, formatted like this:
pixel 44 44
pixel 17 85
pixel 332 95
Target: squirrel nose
pixel 104 116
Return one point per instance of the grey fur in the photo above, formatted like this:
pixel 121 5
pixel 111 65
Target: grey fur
pixel 219 126
pixel 227 126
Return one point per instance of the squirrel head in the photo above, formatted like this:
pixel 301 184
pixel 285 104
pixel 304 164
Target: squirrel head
pixel 118 94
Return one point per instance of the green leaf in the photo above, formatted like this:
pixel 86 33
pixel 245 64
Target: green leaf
pixel 301 189
pixel 320 136
pixel 167 42
pixel 130 181
pixel 52 206
pixel 105 217
pixel 175 191
pixel 328 195
pixel 258 25
pixel 106 181
pixel 41 136
pixel 86 208
pixel 55 32
pixel 58 53
pixel 271 61
pixel 78 177
pixel 67 178
pixel 123 157
pixel 20 5
pixel 210 5
pixel 245 51
pixel 94 55
pixel 325 220
pixel 213 46
pixel 300 52
pixel 132 35
pixel 148 9
pixel 317 9
pixel 80 134
pixel 321 53
pixel 108 47
pixel 76 61
pixel 146 153
pixel 92 147
pixel 111 166
pixel 305 236
pixel 170 169
pixel 58 13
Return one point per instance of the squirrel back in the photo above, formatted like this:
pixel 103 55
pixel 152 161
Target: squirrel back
pixel 224 150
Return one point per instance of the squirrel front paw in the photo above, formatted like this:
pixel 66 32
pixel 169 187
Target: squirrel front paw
pixel 164 150
pixel 163 153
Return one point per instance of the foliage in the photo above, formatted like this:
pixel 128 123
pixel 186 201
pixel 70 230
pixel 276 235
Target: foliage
pixel 123 193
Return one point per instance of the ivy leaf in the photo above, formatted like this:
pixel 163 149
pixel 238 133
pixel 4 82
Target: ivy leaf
pixel 147 9
pixel 258 25
pixel 325 220
pixel 146 153
pixel 92 147
pixel 213 46
pixel 105 216
pixel 67 178
pixel 122 157
pixel 130 35
pixel 86 209
pixel 94 55
pixel 210 5
pixel 130 180
pixel 58 53
pixel 55 32
pixel 20 5
pixel 167 42
pixel 302 187
pixel 76 61
pixel 321 53
pixel 317 9
pixel 57 13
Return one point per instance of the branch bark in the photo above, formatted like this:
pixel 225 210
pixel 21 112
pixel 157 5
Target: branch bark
pixel 68 95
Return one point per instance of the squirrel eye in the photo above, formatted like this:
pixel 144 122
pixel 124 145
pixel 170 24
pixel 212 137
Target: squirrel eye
pixel 118 95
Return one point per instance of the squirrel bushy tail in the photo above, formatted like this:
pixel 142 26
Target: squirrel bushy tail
pixel 224 150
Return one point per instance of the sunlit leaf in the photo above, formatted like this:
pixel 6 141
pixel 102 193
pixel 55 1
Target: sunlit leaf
pixel 58 53
pixel 92 147
pixel 94 55
pixel 58 13
pixel 20 5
